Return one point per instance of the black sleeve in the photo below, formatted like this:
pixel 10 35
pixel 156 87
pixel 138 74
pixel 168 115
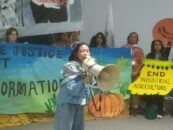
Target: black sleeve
pixel 167 52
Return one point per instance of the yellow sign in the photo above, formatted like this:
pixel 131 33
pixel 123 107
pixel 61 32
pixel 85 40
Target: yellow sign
pixel 156 77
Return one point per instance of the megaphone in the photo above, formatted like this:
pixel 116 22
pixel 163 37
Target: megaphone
pixel 107 76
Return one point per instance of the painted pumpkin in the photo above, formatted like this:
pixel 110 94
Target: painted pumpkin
pixel 106 105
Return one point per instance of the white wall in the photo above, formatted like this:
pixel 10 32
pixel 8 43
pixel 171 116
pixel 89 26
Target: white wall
pixel 129 15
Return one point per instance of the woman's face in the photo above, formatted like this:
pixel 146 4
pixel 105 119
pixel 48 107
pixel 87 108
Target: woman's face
pixel 99 40
pixel 157 46
pixel 83 52
pixel 133 38
pixel 12 37
pixel 138 56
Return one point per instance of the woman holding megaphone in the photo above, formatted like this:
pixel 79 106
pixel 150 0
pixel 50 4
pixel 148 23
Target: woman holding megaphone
pixel 74 93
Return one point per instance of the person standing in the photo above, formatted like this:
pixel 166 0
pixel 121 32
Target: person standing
pixel 157 53
pixel 136 103
pixel 73 94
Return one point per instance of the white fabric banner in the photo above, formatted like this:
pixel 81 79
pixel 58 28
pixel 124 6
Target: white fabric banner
pixel 109 29
pixel 37 17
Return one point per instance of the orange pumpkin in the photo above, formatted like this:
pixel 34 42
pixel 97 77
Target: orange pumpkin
pixel 106 105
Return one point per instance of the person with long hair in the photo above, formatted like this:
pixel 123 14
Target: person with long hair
pixel 157 53
pixel 73 94
pixel 98 41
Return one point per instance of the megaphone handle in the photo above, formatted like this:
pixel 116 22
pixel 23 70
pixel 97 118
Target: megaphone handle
pixel 94 103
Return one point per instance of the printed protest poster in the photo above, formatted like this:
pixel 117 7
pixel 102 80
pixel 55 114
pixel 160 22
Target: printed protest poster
pixel 155 78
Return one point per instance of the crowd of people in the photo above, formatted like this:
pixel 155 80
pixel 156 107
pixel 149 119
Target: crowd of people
pixel 71 106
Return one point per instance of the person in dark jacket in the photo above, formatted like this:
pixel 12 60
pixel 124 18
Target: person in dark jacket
pixel 157 53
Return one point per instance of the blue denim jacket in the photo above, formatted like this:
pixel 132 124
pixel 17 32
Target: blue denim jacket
pixel 73 89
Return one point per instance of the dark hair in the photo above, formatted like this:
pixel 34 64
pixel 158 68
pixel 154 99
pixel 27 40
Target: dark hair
pixel 75 49
pixel 153 46
pixel 93 42
pixel 152 54
pixel 132 34
pixel 9 31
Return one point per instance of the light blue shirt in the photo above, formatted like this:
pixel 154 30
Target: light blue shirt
pixel 73 90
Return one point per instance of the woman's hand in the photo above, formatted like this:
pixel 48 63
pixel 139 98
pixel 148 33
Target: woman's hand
pixel 88 79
